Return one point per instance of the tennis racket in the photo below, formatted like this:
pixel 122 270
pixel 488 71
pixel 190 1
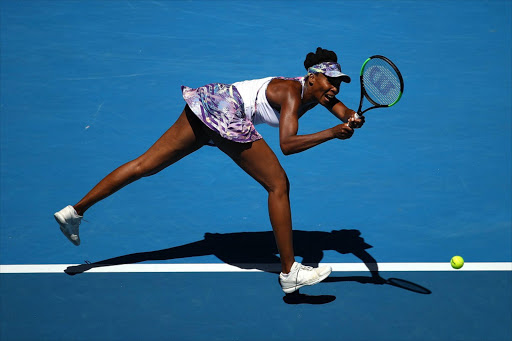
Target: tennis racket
pixel 381 84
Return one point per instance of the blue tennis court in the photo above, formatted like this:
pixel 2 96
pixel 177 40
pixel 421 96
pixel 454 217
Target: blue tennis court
pixel 188 254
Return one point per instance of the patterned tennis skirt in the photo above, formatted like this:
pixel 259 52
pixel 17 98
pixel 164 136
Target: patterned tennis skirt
pixel 221 108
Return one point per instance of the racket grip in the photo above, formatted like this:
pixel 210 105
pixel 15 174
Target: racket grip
pixel 357 116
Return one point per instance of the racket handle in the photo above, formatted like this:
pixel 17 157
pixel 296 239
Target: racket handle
pixel 356 116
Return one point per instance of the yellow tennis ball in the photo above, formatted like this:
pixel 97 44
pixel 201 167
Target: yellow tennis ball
pixel 457 262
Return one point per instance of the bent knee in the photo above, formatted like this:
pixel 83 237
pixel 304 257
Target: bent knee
pixel 279 184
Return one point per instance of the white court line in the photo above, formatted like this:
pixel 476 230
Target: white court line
pixel 337 267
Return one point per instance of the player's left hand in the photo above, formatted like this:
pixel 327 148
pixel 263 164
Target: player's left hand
pixel 356 122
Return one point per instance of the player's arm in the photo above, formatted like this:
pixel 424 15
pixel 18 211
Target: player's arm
pixel 338 109
pixel 287 98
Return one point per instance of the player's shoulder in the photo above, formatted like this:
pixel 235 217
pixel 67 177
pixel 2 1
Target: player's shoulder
pixel 285 86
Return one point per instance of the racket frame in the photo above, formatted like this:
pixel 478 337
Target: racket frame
pixel 364 94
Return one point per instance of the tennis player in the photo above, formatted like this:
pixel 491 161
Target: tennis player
pixel 225 115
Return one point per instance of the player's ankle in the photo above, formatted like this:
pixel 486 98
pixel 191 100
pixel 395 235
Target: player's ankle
pixel 80 211
pixel 286 267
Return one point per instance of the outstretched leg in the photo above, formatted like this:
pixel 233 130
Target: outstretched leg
pixel 183 137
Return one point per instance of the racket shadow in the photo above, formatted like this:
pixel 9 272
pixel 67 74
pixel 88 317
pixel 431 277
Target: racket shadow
pixel 396 282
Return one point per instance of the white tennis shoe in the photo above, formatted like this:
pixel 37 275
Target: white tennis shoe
pixel 69 222
pixel 301 275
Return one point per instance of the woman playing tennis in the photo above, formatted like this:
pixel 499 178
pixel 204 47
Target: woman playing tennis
pixel 225 115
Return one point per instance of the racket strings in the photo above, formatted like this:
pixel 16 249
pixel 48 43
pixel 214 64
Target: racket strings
pixel 381 82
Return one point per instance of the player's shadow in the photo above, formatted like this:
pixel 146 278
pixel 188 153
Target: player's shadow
pixel 257 250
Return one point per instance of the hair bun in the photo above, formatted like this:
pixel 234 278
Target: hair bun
pixel 321 55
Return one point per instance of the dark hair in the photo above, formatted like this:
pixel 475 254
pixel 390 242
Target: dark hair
pixel 321 55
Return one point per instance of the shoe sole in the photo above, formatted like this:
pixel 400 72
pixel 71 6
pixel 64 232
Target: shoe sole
pixel 60 220
pixel 297 287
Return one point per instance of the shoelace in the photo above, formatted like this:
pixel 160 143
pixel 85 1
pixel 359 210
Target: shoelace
pixel 80 221
pixel 301 267
pixel 304 267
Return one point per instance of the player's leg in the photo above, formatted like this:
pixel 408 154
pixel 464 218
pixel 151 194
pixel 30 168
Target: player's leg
pixel 182 138
pixel 259 161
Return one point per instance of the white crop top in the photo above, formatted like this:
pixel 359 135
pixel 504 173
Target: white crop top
pixel 256 105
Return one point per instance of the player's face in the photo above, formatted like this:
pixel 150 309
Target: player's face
pixel 326 88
